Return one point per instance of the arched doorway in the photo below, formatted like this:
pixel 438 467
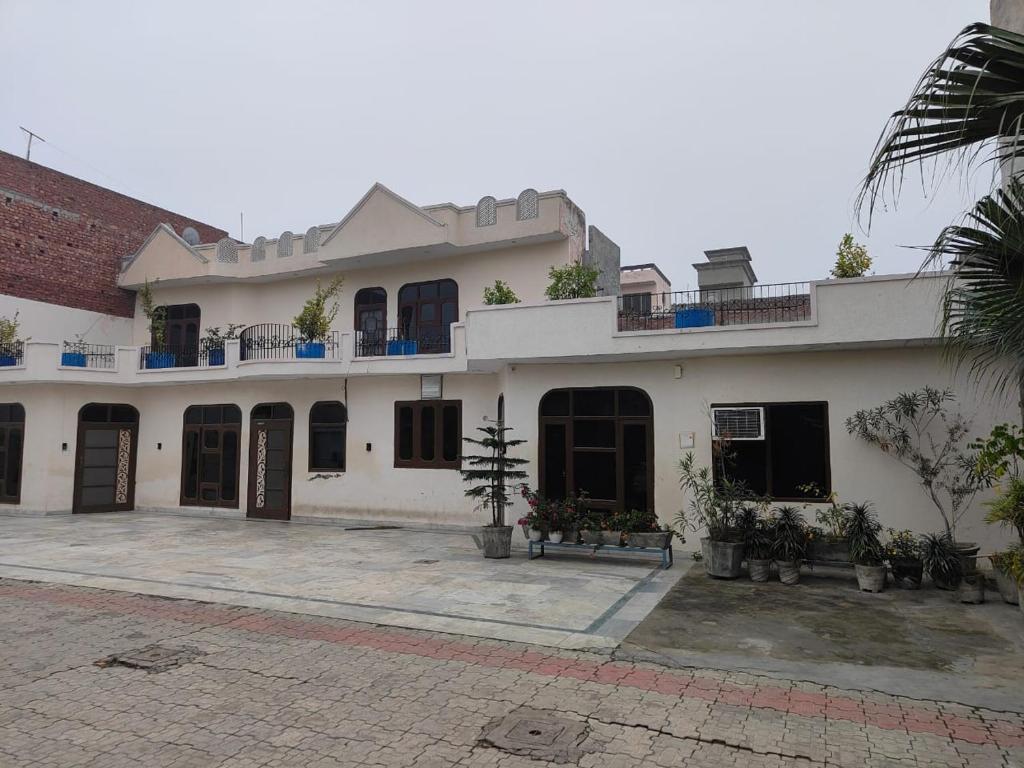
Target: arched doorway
pixel 270 461
pixel 599 440
pixel 371 322
pixel 105 458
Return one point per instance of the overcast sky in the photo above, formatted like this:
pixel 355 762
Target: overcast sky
pixel 677 126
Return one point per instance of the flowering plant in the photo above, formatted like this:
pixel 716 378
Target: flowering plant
pixel 902 545
pixel 550 514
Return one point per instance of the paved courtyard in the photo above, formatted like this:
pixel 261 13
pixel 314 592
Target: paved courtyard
pixel 419 579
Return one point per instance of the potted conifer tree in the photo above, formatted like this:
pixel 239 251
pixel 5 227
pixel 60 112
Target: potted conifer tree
pixel 493 475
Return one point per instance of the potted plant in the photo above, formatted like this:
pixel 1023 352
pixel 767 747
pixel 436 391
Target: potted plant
pixel 971 588
pixel 10 344
pixel 1000 461
pixel 592 525
pixel 1002 568
pixel 918 430
pixel 828 540
pixel 866 551
pixel 535 522
pixel 941 560
pixel 214 339
pixel 903 551
pixel 493 474
pixel 642 530
pixel 789 542
pixel 313 323
pixel 158 356
pixel 757 544
pixel 715 509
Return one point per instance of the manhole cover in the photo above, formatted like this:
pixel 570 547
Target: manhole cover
pixel 153 658
pixel 538 734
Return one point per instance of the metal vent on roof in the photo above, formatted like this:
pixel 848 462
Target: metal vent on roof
pixel 738 423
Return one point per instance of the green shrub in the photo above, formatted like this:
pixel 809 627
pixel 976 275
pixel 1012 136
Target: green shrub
pixel 499 293
pixel 314 321
pixel 852 259
pixel 573 281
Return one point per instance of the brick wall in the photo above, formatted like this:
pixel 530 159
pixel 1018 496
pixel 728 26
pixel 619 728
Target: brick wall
pixel 62 239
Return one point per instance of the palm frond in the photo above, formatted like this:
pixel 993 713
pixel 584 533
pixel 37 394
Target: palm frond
pixel 969 104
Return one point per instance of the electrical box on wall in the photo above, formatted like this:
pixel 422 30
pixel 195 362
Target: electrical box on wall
pixel 687 439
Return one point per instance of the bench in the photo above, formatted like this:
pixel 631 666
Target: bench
pixel 665 555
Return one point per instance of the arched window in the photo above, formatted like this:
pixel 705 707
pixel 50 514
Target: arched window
pixel 598 440
pixel 371 321
pixel 284 244
pixel 227 250
pixel 486 211
pixel 426 312
pixel 259 249
pixel 311 242
pixel 12 440
pixel 209 456
pixel 527 205
pixel 181 335
pixel 327 427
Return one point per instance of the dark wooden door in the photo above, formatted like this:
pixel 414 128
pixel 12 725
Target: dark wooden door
pixel 105 467
pixel 372 331
pixel 270 469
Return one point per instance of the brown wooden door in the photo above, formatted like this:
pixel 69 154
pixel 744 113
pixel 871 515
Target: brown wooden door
pixel 105 459
pixel 270 467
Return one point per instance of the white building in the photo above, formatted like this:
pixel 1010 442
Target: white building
pixel 608 395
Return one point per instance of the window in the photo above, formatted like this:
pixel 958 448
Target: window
pixel 598 440
pixel 426 312
pixel 428 434
pixel 209 456
pixel 792 454
pixel 636 303
pixel 182 336
pixel 327 424
pixel 12 439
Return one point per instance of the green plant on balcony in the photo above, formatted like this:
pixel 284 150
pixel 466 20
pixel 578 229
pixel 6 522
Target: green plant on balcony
pixel 215 338
pixel 499 293
pixel 572 281
pixel 852 259
pixel 9 330
pixel 314 321
pixel 157 316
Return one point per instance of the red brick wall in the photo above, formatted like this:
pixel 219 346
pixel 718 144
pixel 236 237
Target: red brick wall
pixel 62 239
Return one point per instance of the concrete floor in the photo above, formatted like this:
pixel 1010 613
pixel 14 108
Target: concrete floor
pixel 428 580
pixel 919 643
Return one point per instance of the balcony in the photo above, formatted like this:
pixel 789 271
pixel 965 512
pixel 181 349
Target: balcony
pixel 78 354
pixel 12 355
pixel 274 341
pixel 751 305
pixel 434 340
pixel 180 356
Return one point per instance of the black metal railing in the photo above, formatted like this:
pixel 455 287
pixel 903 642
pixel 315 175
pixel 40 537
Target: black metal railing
pixel 432 340
pixel 276 341
pixel 12 353
pixel 748 305
pixel 78 354
pixel 180 356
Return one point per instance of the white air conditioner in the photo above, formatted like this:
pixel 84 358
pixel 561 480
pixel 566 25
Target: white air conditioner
pixel 738 423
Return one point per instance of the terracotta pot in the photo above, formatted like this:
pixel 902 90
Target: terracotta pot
pixel 972 590
pixel 789 571
pixel 760 570
pixel 497 541
pixel 1007 588
pixel 907 573
pixel 591 537
pixel 722 559
pixel 555 537
pixel 871 578
pixel 650 539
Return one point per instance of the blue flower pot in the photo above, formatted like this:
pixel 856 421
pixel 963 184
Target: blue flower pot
pixel 8 360
pixel 400 347
pixel 310 349
pixel 73 359
pixel 160 360
pixel 694 318
pixel 215 357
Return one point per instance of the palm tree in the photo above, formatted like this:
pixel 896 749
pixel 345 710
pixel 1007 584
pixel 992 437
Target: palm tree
pixel 969 106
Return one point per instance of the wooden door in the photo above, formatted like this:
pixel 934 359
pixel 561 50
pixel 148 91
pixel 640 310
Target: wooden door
pixel 105 459
pixel 270 468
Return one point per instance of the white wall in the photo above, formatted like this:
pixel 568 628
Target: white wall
pixel 51 322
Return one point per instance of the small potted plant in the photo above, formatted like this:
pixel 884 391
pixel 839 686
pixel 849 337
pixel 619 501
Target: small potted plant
pixel 866 552
pixel 941 560
pixel 757 547
pixel 535 522
pixel 1002 567
pixel 789 543
pixel 10 344
pixel 903 551
pixel 644 531
pixel 592 525
pixel 158 356
pixel 214 340
pixel 827 541
pixel 493 474
pixel 313 323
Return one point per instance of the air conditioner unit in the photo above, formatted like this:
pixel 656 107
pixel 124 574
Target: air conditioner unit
pixel 738 423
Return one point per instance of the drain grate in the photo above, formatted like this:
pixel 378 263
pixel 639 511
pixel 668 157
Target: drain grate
pixel 537 734
pixel 153 658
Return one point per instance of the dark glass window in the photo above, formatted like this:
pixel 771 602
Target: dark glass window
pixel 272 411
pixel 209 456
pixel 426 312
pixel 793 455
pixel 636 303
pixel 327 427
pixel 108 414
pixel 12 439
pixel 182 335
pixel 428 434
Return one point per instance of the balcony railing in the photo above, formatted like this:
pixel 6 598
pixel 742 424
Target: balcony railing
pixel 77 354
pixel 12 354
pixel 749 305
pixel 275 341
pixel 433 340
pixel 180 356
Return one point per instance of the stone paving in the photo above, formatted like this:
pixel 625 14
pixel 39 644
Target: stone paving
pixel 265 688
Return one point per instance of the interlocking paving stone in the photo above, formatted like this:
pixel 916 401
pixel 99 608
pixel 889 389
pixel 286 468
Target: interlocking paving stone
pixel 284 689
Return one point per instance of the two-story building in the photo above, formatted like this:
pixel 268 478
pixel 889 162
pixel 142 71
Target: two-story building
pixel 608 392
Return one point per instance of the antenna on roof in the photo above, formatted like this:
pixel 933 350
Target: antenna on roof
pixel 28 149
pixel 241 226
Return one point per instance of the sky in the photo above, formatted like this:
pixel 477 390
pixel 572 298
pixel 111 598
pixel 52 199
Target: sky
pixel 676 126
